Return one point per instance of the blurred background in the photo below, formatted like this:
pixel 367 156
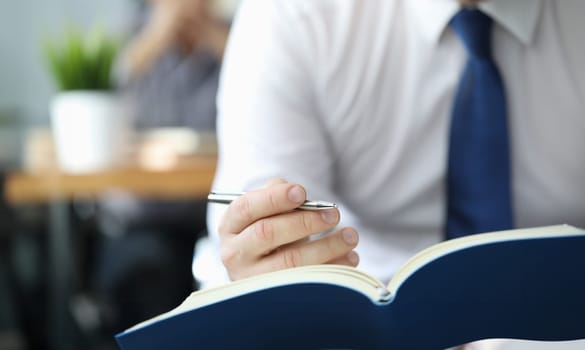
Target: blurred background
pixel 107 150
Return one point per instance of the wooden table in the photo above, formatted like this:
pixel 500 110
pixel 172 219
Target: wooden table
pixel 191 178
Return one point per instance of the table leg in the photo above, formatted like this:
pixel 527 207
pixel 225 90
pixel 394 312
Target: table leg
pixel 61 325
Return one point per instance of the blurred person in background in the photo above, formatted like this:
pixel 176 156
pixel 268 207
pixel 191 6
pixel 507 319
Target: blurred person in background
pixel 169 73
pixel 356 102
pixel 170 69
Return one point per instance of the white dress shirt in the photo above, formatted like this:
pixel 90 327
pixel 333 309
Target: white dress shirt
pixel 352 99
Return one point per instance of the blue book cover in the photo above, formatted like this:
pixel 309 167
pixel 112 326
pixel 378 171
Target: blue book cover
pixel 519 284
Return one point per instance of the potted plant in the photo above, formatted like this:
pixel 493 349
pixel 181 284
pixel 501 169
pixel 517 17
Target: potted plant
pixel 87 117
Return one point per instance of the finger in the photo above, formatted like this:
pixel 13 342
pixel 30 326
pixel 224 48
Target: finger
pixel 332 247
pixel 275 181
pixel 259 204
pixel 267 234
pixel 350 259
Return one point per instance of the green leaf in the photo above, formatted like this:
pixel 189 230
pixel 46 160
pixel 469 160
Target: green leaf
pixel 81 62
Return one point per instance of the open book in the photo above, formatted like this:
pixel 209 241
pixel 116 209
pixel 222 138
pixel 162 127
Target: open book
pixel 523 284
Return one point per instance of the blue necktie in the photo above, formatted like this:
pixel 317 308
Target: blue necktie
pixel 478 173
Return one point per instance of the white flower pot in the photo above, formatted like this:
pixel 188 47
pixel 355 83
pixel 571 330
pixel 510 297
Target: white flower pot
pixel 90 130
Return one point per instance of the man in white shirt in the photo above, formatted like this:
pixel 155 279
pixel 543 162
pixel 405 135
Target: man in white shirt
pixel 352 100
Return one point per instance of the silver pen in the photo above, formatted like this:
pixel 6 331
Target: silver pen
pixel 227 198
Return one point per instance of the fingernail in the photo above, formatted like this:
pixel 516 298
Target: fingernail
pixel 350 236
pixel 329 216
pixel 296 194
pixel 353 257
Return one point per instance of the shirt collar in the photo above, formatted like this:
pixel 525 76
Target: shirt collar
pixel 519 17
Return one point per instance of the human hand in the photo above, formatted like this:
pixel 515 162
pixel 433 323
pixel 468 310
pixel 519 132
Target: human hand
pixel 173 23
pixel 179 21
pixel 261 232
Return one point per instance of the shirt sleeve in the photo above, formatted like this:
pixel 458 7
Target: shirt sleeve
pixel 269 124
